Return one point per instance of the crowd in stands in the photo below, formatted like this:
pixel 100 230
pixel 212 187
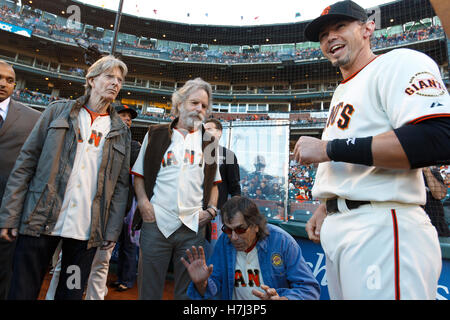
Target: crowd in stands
pixel 260 185
pixel 221 116
pixel 32 97
pixel 152 116
pixel 310 121
pixel 301 181
pixel 77 72
pixel 398 39
pixel 43 99
pixel 47 28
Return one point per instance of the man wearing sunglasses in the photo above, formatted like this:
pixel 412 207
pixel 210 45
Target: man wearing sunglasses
pixel 251 260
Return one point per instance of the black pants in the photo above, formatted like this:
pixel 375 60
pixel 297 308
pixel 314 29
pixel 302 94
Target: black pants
pixel 6 262
pixel 31 261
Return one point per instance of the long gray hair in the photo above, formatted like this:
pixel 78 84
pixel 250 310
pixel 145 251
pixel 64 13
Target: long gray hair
pixel 102 65
pixel 181 95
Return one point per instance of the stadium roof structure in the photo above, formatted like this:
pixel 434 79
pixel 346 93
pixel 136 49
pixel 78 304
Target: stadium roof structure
pixel 222 35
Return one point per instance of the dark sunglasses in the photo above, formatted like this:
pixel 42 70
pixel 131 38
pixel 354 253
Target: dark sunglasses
pixel 238 230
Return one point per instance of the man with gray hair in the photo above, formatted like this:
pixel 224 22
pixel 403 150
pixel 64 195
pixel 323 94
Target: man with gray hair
pixel 176 177
pixel 69 184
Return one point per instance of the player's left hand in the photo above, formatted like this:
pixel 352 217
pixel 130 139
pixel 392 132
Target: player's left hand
pixel 268 294
pixel 310 150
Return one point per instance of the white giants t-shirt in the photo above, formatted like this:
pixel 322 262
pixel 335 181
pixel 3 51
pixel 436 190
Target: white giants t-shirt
pixel 400 87
pixel 247 275
pixel 178 192
pixel 74 220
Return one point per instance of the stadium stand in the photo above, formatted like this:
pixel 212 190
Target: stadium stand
pixel 261 76
pixel 252 80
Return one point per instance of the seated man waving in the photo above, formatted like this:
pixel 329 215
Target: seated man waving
pixel 249 256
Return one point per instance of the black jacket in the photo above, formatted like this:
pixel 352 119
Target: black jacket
pixel 229 172
pixel 134 152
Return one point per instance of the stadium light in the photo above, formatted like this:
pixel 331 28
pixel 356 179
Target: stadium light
pixel 116 27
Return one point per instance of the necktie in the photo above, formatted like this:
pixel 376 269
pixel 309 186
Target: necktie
pixel 1 121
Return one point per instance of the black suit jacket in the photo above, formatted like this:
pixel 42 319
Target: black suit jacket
pixel 229 172
pixel 18 124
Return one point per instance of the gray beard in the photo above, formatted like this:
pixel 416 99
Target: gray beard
pixel 191 119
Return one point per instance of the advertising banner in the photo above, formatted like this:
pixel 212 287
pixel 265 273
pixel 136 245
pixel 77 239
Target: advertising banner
pixel 15 29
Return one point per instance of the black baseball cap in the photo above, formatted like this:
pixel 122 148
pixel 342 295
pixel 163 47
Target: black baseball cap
pixel 343 9
pixel 122 108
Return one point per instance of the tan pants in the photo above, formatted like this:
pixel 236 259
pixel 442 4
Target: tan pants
pixel 96 288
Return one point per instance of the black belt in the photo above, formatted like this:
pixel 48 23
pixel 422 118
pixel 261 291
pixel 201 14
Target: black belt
pixel 332 204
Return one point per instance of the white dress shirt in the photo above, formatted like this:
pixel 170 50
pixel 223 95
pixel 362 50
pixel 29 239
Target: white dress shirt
pixel 4 105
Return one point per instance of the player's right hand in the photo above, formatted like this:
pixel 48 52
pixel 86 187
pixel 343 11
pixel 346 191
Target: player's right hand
pixel 147 211
pixel 314 224
pixel 8 234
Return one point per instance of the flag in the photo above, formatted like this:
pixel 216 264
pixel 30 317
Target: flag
pixel 155 11
pixel 256 18
pixel 206 14
pixel 188 14
pixel 242 17
pixel 297 14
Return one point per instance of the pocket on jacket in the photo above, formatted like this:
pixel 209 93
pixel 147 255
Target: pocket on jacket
pixel 56 132
pixel 59 124
pixel 119 151
pixel 117 161
pixel 32 200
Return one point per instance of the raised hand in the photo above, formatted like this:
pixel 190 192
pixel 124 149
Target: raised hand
pixel 197 268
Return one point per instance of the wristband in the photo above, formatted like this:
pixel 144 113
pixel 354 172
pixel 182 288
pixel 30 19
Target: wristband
pixel 214 208
pixel 351 150
pixel 212 215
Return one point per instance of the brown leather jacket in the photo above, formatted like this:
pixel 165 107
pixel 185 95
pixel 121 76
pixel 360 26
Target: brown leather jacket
pixel 37 184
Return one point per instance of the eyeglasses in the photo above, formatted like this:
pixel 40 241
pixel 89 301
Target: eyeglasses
pixel 237 230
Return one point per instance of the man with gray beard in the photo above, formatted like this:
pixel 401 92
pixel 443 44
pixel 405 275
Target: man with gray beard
pixel 176 177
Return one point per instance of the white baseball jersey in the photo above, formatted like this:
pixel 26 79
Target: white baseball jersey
pixel 74 220
pixel 247 275
pixel 178 192
pixel 400 87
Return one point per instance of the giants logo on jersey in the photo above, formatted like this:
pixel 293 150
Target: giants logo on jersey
pixel 253 278
pixel 170 159
pixel 345 113
pixel 425 84
pixel 94 139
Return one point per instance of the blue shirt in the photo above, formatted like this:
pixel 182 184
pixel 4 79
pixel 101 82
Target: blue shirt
pixel 282 267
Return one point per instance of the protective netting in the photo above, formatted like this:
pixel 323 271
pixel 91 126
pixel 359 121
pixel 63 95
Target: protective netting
pixel 270 85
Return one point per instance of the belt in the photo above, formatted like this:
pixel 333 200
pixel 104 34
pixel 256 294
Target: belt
pixel 332 205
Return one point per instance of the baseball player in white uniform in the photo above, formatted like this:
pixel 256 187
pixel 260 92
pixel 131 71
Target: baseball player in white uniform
pixel 388 118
